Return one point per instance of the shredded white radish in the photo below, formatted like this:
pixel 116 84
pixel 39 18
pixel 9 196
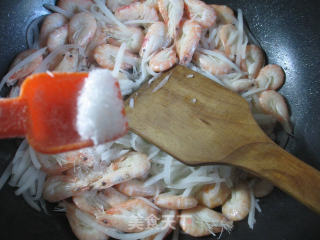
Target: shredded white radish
pixel 154 179
pixel 153 152
pixel 167 170
pixel 40 182
pixel 221 57
pixel 14 92
pixel 26 175
pixel 212 36
pixel 251 217
pixel 151 80
pixel 191 181
pixel 240 40
pixel 34 158
pixel 28 182
pixel 258 206
pixel 187 192
pixel 5 175
pixel 109 14
pixel 56 9
pixel 119 60
pixel 254 91
pixel 43 206
pixel 28 198
pixel 16 68
pixel 20 151
pixel 20 166
pixel 194 100
pixel 133 141
pixel 162 83
pixel 33 33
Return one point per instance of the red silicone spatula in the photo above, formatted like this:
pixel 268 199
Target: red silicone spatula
pixel 45 113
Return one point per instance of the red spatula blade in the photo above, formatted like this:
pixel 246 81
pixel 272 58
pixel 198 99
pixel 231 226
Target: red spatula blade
pixel 48 119
pixel 52 109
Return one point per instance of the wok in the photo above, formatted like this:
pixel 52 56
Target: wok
pixel 288 31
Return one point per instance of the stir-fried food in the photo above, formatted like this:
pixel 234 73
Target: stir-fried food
pixel 128 188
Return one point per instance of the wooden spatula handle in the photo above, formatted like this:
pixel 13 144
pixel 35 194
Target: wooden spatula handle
pixel 283 169
pixel 13 117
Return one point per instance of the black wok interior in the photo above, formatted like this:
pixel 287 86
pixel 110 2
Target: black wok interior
pixel 288 31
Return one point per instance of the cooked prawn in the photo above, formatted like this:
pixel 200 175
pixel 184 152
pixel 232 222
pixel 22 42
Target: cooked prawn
pixel 69 62
pixel 74 6
pixel 272 102
pixel 27 69
pixel 57 37
pixel 229 36
pixel 201 13
pixel 238 85
pixel 253 62
pixel 170 201
pixel 130 216
pixel 113 197
pixel 137 11
pixel 132 36
pixel 82 28
pixel 213 195
pixel 79 227
pixel 170 219
pixel 211 64
pixel 225 14
pixel 238 206
pixel 14 91
pixel 171 12
pixel 50 23
pixel 188 41
pixel 262 188
pixel 127 167
pixel 135 188
pixel 105 56
pixel 271 74
pixel 92 202
pixel 98 39
pixel 202 221
pixel 163 60
pixel 155 39
pixel 115 4
pixel 56 164
pixel 60 187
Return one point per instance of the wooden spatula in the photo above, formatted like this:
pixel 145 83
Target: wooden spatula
pixel 200 122
pixel 45 113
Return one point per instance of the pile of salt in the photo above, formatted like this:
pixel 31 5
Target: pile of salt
pixel 100 108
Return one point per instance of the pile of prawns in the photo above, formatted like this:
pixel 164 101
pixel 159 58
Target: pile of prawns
pixel 156 35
